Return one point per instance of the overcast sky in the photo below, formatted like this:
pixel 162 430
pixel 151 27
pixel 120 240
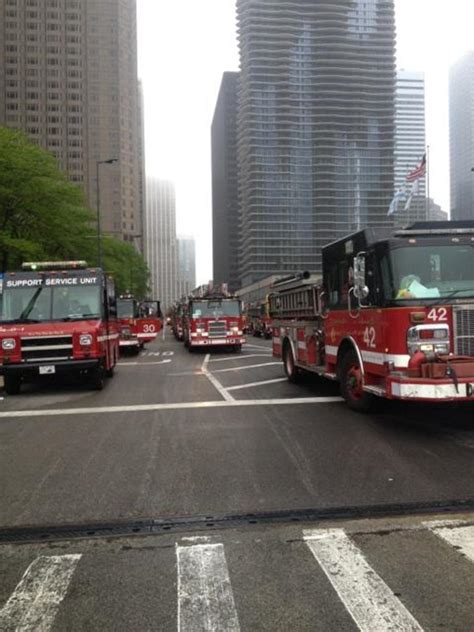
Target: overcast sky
pixel 185 46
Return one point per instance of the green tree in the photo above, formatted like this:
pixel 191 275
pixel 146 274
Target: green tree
pixel 43 216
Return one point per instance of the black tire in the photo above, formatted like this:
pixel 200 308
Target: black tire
pixel 110 372
pixel 237 348
pixel 12 384
pixel 190 348
pixel 97 379
pixel 351 384
pixel 292 372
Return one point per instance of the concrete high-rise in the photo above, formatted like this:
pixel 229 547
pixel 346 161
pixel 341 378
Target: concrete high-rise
pixel 461 114
pixel 225 194
pixel 161 243
pixel 186 265
pixel 410 141
pixel 315 127
pixel 68 78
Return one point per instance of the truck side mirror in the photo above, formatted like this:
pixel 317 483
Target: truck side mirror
pixel 361 291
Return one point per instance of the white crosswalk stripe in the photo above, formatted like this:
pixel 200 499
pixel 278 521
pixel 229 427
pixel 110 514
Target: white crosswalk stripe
pixel 205 597
pixel 34 603
pixel 368 599
pixel 459 536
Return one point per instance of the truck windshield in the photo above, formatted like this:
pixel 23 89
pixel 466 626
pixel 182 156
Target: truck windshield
pixel 432 272
pixel 216 309
pixel 126 308
pixel 44 303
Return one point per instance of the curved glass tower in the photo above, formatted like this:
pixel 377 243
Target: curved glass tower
pixel 315 127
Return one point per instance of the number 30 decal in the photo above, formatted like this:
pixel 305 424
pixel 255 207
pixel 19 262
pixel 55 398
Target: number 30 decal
pixel 149 329
pixel 438 314
pixel 370 337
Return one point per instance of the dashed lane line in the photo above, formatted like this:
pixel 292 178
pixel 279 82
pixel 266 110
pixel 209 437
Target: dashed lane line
pixel 214 381
pixel 252 384
pixel 100 410
pixel 248 366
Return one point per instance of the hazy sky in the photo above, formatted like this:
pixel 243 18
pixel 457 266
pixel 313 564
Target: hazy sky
pixel 185 46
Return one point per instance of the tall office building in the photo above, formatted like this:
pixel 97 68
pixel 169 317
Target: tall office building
pixel 186 265
pixel 161 242
pixel 315 127
pixel 410 141
pixel 461 114
pixel 225 194
pixel 68 78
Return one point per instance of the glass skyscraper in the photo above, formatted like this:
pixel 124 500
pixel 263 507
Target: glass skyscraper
pixel 315 127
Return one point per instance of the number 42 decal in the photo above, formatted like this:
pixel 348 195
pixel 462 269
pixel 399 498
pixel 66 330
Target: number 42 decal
pixel 370 337
pixel 438 314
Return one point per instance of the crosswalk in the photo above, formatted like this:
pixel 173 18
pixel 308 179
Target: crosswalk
pixel 205 599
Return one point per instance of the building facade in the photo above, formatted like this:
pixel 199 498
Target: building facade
pixel 410 141
pixel 461 127
pixel 186 265
pixel 68 78
pixel 225 194
pixel 315 127
pixel 161 242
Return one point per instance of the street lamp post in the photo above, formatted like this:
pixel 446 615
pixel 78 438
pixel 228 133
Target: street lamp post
pixel 110 161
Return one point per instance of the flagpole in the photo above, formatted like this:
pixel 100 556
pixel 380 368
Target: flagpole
pixel 427 182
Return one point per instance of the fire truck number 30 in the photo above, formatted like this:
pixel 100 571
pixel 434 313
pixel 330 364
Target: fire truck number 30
pixel 149 329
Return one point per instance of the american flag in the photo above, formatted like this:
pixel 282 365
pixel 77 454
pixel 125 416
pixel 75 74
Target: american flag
pixel 419 171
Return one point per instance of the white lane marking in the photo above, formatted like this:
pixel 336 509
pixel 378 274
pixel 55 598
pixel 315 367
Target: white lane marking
pixel 205 597
pixel 252 384
pixel 241 356
pixel 249 366
pixel 368 599
pixel 35 601
pixel 460 537
pixel 259 347
pixel 53 412
pixel 143 363
pixel 214 381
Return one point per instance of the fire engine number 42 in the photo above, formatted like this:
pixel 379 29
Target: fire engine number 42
pixel 370 337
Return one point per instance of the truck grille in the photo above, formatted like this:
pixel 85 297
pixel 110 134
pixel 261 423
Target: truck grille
pixel 217 329
pixel 47 348
pixel 464 329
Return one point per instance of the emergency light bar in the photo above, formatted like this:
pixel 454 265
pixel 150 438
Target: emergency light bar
pixel 54 265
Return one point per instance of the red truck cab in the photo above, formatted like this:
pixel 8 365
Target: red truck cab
pixel 213 318
pixel 55 318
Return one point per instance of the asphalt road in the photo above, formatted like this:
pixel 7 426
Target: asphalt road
pixel 197 443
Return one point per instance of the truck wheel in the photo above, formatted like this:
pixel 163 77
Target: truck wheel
pixel 12 384
pixel 292 372
pixel 190 348
pixel 97 379
pixel 237 348
pixel 352 384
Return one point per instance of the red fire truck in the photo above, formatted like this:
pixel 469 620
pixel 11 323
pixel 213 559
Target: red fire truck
pixel 259 322
pixel 177 313
pixel 212 317
pixel 393 317
pixel 139 322
pixel 57 317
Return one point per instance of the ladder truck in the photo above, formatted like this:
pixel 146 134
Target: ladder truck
pixel 392 317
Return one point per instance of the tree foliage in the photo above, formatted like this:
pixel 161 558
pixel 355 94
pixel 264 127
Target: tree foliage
pixel 43 216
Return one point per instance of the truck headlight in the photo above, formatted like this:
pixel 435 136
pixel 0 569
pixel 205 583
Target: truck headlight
pixel 85 340
pixel 8 344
